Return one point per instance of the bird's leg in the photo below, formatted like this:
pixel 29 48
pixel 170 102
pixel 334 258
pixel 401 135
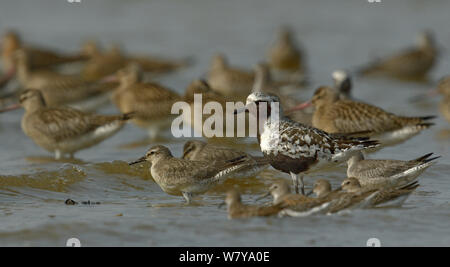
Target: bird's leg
pixel 302 184
pixel 295 181
pixel 187 196
pixel 72 156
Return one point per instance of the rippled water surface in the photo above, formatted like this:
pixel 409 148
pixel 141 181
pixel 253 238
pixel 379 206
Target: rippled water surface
pixel 133 209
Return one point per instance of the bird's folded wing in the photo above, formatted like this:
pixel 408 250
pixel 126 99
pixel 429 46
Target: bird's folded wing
pixel 66 123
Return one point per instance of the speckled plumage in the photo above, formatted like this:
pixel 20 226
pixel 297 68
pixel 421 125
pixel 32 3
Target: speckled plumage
pixel 64 130
pixel 150 101
pixel 295 148
pixel 334 115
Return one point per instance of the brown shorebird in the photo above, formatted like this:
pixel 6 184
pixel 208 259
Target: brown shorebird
pixel 185 177
pixel 304 114
pixel 104 64
pixel 351 195
pixel 334 115
pixel 293 147
pixel 327 200
pixel 387 172
pixel 155 64
pixel 282 196
pixel 374 196
pixel 150 102
pixel 39 57
pixel 236 209
pixel 412 63
pixel 227 80
pixel 201 151
pixel 65 130
pixel 208 95
pixel 285 57
pixel 62 89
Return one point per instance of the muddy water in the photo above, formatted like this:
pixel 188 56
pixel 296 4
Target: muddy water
pixel 133 210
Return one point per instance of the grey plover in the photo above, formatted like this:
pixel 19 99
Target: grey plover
pixel 293 147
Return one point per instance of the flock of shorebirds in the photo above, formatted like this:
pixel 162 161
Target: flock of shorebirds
pixel 59 93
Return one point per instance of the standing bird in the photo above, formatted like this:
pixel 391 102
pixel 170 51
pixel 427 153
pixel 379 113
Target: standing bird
pixel 303 113
pixel 387 172
pixel 286 59
pixel 196 120
pixel 185 177
pixel 104 64
pixel 201 151
pixel 150 102
pixel 39 57
pixel 334 115
pixel 64 130
pixel 413 63
pixel 238 210
pixel 294 148
pixel 227 80
pixel 61 89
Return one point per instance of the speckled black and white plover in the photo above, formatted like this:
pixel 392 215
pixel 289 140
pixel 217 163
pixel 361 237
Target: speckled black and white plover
pixel 293 147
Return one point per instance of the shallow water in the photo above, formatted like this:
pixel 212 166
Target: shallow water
pixel 133 210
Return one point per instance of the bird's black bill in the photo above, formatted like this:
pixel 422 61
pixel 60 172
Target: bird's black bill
pixel 137 161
